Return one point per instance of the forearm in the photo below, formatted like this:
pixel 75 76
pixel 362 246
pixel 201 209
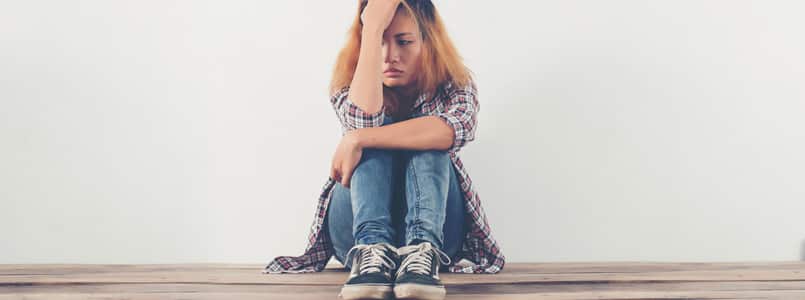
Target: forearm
pixel 366 89
pixel 422 133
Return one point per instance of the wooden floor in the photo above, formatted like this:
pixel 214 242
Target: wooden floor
pixel 757 280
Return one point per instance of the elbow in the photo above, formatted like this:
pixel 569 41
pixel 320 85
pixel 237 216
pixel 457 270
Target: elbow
pixel 366 109
pixel 369 121
pixel 460 137
pixel 355 117
pixel 371 111
pixel 447 140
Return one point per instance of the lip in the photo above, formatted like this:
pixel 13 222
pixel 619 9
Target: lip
pixel 392 71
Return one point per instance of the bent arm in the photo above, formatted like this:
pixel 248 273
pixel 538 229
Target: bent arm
pixel 450 130
pixel 422 133
pixel 366 89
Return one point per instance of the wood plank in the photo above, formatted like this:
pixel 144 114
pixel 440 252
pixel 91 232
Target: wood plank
pixel 588 280
pixel 515 274
pixel 478 289
pixel 609 295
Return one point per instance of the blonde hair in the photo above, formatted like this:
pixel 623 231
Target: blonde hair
pixel 440 61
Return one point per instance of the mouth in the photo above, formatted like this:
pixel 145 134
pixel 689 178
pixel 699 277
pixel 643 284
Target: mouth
pixel 392 72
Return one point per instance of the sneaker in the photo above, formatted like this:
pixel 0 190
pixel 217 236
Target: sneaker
pixel 418 275
pixel 371 272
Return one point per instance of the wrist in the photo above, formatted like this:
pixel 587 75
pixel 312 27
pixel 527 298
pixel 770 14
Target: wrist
pixel 355 138
pixel 371 32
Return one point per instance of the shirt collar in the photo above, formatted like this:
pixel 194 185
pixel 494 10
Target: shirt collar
pixel 424 97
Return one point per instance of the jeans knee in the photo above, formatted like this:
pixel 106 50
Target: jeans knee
pixel 374 160
pixel 430 157
pixel 376 153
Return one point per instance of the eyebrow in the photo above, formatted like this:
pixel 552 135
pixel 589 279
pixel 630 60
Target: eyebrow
pixel 402 33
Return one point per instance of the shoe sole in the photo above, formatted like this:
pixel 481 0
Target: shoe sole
pixel 419 291
pixel 366 291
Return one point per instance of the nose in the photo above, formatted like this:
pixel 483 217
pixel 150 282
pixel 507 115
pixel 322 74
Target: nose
pixel 390 53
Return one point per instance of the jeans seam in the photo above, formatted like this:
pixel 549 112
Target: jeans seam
pixel 415 230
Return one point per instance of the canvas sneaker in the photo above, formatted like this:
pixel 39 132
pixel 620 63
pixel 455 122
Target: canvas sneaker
pixel 418 274
pixel 371 273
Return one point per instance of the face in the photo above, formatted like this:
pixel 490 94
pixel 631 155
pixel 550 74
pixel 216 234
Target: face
pixel 402 46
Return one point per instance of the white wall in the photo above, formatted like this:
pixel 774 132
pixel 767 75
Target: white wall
pixel 199 131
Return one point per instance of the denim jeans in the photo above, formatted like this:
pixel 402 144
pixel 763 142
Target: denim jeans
pixel 398 196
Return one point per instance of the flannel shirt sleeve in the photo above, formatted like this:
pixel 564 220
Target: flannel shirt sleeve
pixel 460 113
pixel 350 115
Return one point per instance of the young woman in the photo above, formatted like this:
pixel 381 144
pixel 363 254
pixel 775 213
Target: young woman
pixel 399 205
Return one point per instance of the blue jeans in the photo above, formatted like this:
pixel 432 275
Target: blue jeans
pixel 398 197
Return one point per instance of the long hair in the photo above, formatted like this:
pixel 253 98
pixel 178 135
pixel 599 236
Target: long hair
pixel 440 61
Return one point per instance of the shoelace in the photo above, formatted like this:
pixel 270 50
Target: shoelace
pixel 372 258
pixel 418 259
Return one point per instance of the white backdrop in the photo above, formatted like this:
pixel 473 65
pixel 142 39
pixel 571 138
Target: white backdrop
pixel 200 131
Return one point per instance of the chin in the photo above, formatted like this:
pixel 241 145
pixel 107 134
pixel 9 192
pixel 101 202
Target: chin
pixel 395 82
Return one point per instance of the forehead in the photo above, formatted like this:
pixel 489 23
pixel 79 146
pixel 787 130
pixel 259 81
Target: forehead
pixel 402 25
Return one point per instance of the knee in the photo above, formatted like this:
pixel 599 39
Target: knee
pixel 430 157
pixel 376 154
pixel 428 163
pixel 374 163
pixel 375 158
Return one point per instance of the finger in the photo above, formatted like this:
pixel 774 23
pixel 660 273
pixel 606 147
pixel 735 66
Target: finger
pixel 347 177
pixel 335 168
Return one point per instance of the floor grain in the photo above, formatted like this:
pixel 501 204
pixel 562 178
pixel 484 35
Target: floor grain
pixel 550 281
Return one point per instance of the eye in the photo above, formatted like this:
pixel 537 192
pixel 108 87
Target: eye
pixel 404 42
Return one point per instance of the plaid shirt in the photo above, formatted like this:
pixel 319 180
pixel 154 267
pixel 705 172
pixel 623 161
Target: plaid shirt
pixel 457 106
